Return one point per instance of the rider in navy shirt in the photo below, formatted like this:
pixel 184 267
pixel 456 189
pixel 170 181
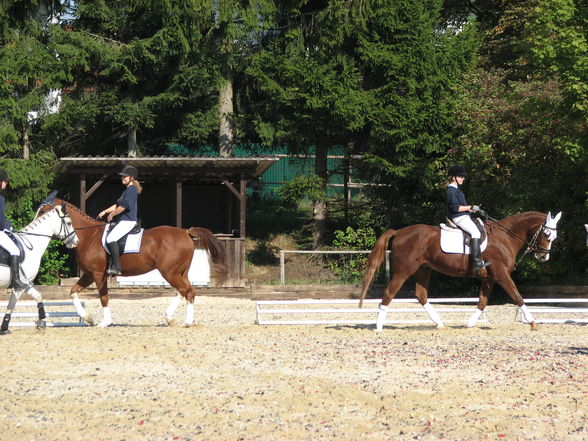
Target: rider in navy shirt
pixel 458 211
pixel 5 241
pixel 122 216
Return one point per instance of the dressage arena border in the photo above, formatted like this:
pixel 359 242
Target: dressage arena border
pixel 539 311
pixel 311 307
pixel 34 314
pixel 334 309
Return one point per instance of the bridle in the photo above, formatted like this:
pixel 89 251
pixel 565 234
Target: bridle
pixel 63 235
pixel 533 244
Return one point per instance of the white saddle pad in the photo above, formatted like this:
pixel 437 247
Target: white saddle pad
pixel 453 241
pixel 133 244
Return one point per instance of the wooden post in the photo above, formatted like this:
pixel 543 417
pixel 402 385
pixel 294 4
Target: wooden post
pixel 179 196
pixel 243 207
pixel 242 196
pixel 83 192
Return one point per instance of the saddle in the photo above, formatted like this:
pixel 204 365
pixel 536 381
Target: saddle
pixel 456 241
pixel 5 256
pixel 129 243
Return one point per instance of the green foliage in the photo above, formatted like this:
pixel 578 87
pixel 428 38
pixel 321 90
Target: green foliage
pixel 309 187
pixel 557 35
pixel 350 268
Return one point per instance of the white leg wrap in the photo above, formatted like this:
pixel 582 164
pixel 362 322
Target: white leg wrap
pixel 433 315
pixel 189 314
pixel 474 318
pixel 382 312
pixel 171 309
pixel 106 319
pixel 79 308
pixel 526 314
pixel 36 295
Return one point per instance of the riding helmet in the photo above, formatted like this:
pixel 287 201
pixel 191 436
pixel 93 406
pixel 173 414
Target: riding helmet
pixel 456 170
pixel 3 175
pixel 129 170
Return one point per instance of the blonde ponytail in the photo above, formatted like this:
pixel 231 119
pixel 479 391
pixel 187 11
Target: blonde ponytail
pixel 137 185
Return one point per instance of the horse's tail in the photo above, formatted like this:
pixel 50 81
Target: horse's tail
pixel 374 262
pixel 204 240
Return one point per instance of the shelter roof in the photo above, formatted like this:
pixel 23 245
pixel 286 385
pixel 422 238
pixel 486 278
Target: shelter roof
pixel 181 166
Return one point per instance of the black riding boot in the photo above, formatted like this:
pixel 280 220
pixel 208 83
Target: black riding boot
pixel 114 267
pixel 477 261
pixel 15 269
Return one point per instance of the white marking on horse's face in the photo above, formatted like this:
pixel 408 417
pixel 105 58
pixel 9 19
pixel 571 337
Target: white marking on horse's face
pixel 70 237
pixel 586 226
pixel 550 233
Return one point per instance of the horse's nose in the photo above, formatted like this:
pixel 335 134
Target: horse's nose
pixel 542 257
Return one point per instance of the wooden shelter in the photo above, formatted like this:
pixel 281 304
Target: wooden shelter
pixel 179 191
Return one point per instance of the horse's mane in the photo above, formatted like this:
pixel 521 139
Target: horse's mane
pixel 515 217
pixel 36 221
pixel 80 212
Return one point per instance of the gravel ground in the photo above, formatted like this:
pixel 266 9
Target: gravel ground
pixel 229 379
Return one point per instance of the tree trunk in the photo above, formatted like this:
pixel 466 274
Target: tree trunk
pixel 132 142
pixel 26 144
pixel 225 105
pixel 320 212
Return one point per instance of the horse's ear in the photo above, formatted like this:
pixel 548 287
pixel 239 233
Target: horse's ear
pixel 557 217
pixel 50 200
pixel 586 226
pixel 63 208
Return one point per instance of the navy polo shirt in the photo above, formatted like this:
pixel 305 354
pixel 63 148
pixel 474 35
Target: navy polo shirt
pixel 454 198
pixel 128 200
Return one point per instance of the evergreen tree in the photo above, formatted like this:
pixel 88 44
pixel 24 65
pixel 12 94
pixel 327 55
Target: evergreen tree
pixel 145 77
pixel 374 77
pixel 30 70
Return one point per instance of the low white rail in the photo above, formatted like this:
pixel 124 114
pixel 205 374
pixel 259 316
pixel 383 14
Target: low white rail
pixel 48 312
pixel 340 315
pixel 562 314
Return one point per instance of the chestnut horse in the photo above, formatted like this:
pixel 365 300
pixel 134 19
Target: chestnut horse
pixel 167 249
pixel 416 251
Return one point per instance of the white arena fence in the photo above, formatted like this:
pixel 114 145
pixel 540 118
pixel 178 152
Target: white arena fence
pixel 401 311
pixel 30 312
pixel 338 312
pixel 557 314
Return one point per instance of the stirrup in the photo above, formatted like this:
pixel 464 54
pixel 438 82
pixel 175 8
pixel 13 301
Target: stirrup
pixel 112 272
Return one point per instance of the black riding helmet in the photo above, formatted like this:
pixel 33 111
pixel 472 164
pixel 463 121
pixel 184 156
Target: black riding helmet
pixel 456 170
pixel 4 175
pixel 129 170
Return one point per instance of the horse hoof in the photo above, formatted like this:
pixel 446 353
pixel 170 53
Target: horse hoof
pixel 188 325
pixel 170 321
pixel 4 332
pixel 534 326
pixel 441 326
pixel 41 325
pixel 89 320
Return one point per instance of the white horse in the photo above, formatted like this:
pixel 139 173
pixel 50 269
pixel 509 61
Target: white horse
pixel 35 238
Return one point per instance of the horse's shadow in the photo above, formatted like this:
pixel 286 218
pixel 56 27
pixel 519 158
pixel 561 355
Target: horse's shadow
pixel 576 350
pixel 393 328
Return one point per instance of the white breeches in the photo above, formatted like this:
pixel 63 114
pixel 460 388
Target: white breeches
pixel 122 228
pixel 7 243
pixel 467 224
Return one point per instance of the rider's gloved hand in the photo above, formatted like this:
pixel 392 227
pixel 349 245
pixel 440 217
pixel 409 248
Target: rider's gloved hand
pixel 475 208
